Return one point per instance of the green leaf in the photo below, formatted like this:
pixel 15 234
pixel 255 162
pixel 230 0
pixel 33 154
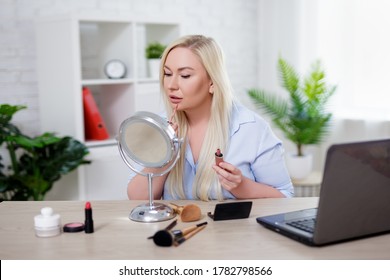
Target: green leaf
pixel 302 116
pixel 288 76
pixel 7 111
pixel 36 162
pixel 154 50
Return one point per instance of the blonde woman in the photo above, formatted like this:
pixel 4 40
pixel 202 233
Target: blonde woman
pixel 194 82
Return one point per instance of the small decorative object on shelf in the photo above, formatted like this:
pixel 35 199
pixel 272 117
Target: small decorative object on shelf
pixel 154 50
pixel 153 53
pixel 94 126
pixel 115 69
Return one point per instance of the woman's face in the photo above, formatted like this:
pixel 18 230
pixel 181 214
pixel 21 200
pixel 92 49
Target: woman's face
pixel 186 81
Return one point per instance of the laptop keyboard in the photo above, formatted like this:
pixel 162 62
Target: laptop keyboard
pixel 306 224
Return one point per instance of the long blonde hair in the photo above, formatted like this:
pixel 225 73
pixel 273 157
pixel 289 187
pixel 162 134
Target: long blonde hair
pixel 206 183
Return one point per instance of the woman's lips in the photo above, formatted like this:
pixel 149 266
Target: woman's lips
pixel 174 99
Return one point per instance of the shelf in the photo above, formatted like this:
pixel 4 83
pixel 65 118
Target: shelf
pixel 71 54
pixel 147 80
pixel 106 82
pixel 101 143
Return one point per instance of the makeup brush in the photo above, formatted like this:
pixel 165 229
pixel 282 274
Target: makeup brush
pixel 167 238
pixel 187 213
pixel 169 227
pixel 180 240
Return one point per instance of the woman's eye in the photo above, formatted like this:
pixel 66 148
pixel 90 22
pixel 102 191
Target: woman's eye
pixel 185 76
pixel 167 74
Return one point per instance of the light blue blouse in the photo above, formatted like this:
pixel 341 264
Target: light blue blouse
pixel 253 148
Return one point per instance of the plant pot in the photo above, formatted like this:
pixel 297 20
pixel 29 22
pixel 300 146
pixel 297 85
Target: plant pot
pixel 299 167
pixel 154 68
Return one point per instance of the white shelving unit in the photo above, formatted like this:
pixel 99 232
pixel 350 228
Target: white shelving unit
pixel 71 54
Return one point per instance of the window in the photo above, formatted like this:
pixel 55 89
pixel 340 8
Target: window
pixel 354 44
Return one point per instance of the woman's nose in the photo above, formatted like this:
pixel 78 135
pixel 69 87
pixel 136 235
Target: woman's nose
pixel 172 82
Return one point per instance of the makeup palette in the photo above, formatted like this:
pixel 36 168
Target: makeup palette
pixel 73 227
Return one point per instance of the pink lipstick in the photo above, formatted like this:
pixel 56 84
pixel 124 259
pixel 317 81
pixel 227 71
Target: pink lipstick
pixel 88 225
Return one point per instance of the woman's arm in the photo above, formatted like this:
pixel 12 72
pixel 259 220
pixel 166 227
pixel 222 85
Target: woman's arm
pixel 137 188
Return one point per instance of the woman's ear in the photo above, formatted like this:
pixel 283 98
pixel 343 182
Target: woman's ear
pixel 211 88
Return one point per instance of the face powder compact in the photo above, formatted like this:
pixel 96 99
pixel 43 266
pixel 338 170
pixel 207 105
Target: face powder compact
pixel 73 227
pixel 48 223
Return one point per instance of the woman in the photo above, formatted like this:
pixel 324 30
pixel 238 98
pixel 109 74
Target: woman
pixel 194 81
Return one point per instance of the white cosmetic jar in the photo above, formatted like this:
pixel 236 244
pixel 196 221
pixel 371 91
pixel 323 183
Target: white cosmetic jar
pixel 47 224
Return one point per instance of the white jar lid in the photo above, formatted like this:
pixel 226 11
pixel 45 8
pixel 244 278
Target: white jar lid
pixel 47 218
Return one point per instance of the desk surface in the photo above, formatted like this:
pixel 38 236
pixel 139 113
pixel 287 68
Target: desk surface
pixel 116 237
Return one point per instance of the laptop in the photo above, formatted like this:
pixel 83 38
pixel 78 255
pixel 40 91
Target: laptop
pixel 354 198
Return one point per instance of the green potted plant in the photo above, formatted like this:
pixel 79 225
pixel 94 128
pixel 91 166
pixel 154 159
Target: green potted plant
pixel 302 117
pixel 153 53
pixel 35 162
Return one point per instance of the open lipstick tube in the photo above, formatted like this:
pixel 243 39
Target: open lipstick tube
pixel 218 157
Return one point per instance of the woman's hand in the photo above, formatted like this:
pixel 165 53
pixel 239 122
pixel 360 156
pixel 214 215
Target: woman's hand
pixel 170 121
pixel 240 186
pixel 174 126
pixel 229 176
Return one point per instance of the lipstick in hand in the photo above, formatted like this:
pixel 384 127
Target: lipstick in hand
pixel 88 227
pixel 218 157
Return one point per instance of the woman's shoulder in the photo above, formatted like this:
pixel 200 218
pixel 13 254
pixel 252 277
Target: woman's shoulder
pixel 249 126
pixel 243 115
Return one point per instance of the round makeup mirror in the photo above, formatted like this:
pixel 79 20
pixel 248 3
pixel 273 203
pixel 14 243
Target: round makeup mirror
pixel 147 142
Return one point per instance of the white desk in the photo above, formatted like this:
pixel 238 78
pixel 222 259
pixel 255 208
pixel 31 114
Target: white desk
pixel 116 237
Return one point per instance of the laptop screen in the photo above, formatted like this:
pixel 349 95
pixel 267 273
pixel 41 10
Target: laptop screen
pixel 355 192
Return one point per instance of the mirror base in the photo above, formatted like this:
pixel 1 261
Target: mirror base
pixel 147 213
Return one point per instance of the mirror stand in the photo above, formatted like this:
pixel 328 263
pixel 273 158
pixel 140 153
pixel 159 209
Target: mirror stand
pixel 152 211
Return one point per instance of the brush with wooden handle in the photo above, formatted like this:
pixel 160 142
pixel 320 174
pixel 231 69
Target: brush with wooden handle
pixel 167 238
pixel 187 213
pixel 187 236
pixel 169 227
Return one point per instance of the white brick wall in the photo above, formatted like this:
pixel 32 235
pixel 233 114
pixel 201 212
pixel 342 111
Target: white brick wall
pixel 232 22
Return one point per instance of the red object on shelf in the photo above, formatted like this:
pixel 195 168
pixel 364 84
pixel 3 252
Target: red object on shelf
pixel 94 126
